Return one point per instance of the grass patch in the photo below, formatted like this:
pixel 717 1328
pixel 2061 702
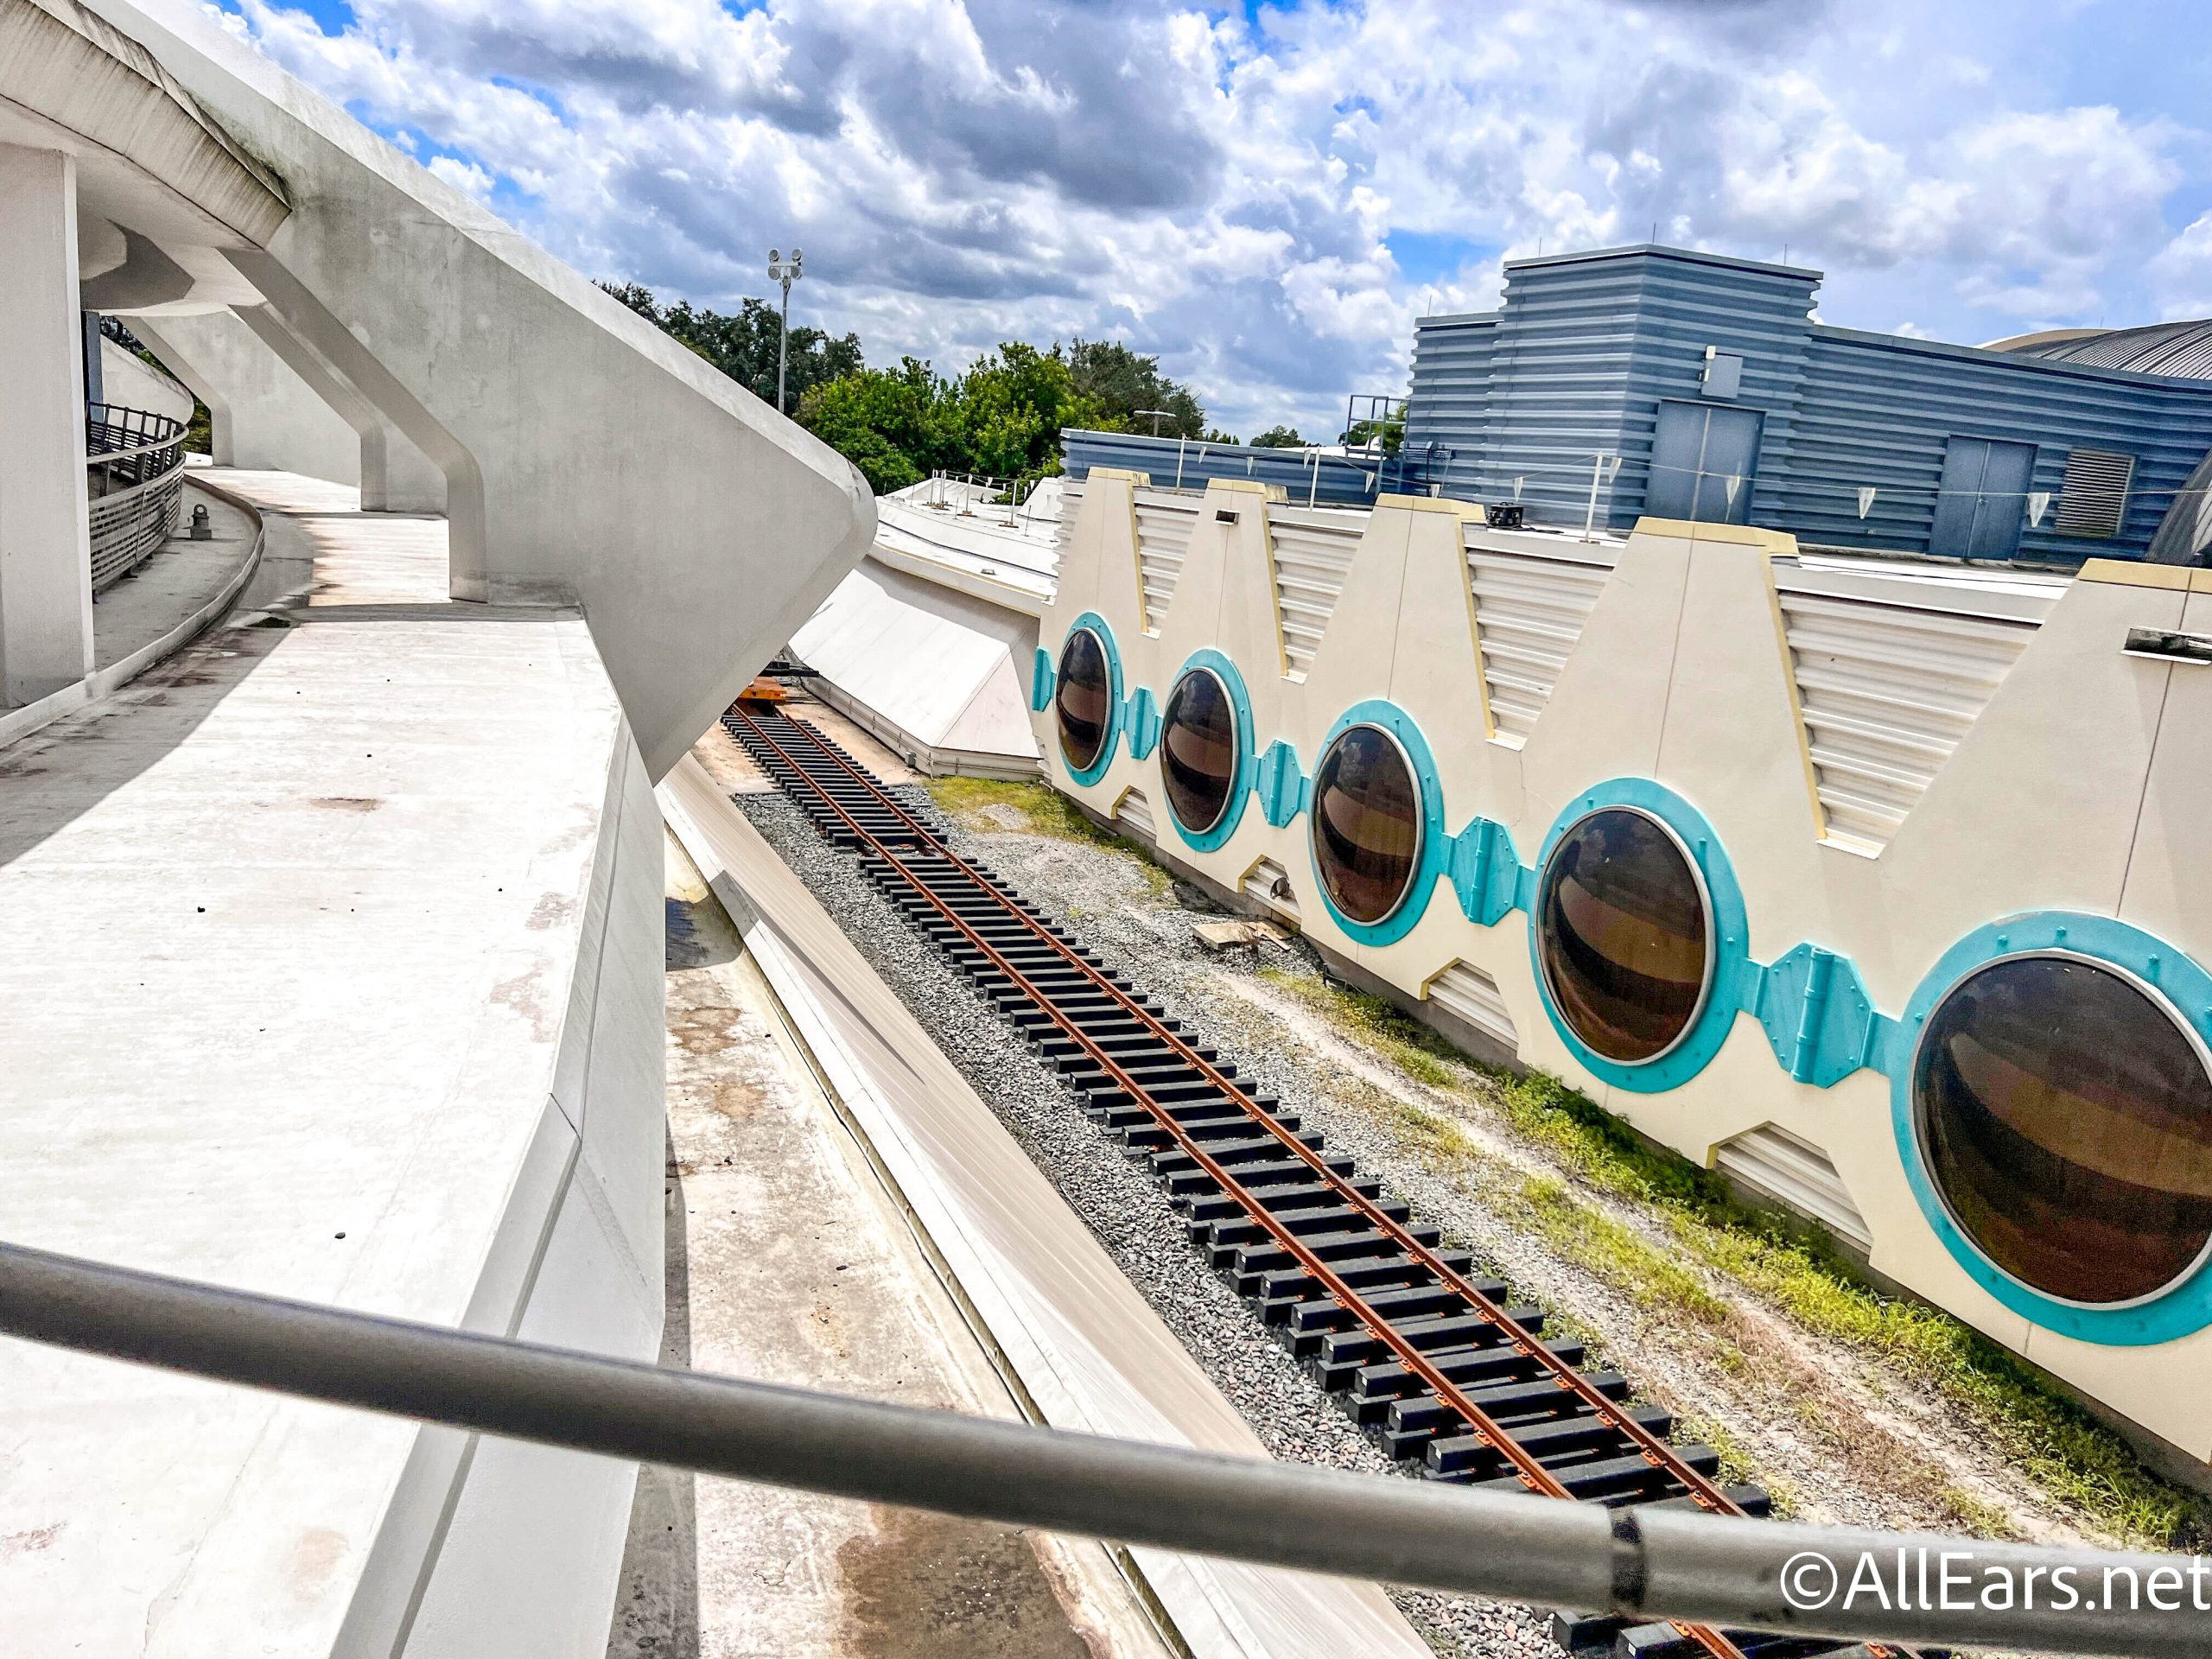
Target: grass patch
pixel 2071 1455
pixel 1614 1250
pixel 1381 1026
pixel 984 804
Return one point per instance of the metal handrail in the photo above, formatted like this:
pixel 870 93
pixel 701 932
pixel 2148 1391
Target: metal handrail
pixel 133 461
pixel 1646 1563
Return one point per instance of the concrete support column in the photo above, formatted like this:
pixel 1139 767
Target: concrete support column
pixel 396 476
pixel 46 576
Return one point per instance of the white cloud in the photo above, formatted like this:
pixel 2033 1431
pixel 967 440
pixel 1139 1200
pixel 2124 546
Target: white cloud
pixel 1228 193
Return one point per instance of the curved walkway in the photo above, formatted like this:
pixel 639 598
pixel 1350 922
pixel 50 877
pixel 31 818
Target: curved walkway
pixel 172 597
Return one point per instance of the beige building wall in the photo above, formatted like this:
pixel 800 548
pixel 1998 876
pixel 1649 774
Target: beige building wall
pixel 2081 786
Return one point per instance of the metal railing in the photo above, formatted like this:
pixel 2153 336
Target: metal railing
pixel 1649 1562
pixel 1004 501
pixel 134 478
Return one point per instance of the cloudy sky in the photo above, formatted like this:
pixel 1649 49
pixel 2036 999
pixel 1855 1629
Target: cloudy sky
pixel 1267 196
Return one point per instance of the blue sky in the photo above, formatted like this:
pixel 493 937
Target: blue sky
pixel 1268 196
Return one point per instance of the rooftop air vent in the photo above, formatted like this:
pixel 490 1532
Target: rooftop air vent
pixel 2093 499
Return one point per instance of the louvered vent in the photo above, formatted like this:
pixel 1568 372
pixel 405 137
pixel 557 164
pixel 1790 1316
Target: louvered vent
pixel 1312 555
pixel 1266 882
pixel 1797 1175
pixel 1164 527
pixel 1134 813
pixel 1529 610
pixel 2093 499
pixel 1071 504
pixel 1470 995
pixel 1888 693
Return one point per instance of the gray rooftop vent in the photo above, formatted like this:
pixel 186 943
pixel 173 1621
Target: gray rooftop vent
pixel 2093 499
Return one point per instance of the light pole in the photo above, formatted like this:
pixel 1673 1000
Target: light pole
pixel 786 272
pixel 1158 416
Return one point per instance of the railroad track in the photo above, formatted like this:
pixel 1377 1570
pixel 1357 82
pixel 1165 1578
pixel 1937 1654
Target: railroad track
pixel 1424 1350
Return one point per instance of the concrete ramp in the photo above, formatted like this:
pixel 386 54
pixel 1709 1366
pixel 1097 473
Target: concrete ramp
pixel 929 671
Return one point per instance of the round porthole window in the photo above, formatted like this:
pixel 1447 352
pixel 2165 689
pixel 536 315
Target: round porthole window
pixel 1083 700
pixel 1366 824
pixel 1197 750
pixel 2065 1116
pixel 1625 935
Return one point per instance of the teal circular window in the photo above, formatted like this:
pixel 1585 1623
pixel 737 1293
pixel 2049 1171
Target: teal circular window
pixel 1082 700
pixel 1200 758
pixel 2064 1112
pixel 1625 935
pixel 1366 825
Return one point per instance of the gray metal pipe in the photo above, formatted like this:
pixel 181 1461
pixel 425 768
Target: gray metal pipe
pixel 1661 1563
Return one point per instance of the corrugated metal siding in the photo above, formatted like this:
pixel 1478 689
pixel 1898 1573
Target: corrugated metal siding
pixel 1576 364
pixel 1071 504
pixel 1468 994
pixel 2174 348
pixel 1888 692
pixel 1163 525
pixel 1798 1175
pixel 1448 415
pixel 1529 610
pixel 1879 411
pixel 1270 884
pixel 1588 345
pixel 1134 813
pixel 1312 555
pixel 1166 460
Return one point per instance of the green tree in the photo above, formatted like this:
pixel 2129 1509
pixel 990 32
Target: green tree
pixel 893 424
pixel 1121 383
pixel 1279 437
pixel 742 345
pixel 1363 432
pixel 1002 418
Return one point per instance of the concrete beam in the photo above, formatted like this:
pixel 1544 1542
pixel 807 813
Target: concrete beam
pixel 69 66
pixel 585 454
pixel 396 476
pixel 46 574
pixel 261 414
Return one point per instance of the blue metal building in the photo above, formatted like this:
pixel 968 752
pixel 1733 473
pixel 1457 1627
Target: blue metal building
pixel 1692 385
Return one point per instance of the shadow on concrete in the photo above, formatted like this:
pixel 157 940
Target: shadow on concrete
pixel 656 1605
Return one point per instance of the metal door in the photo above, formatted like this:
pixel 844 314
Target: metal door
pixel 1703 457
pixel 1982 500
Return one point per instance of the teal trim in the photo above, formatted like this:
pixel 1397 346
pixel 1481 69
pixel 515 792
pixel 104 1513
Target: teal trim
pixel 1435 846
pixel 1812 1004
pixel 1115 712
pixel 1736 980
pixel 1247 763
pixel 1819 1019
pixel 1041 681
pixel 1143 723
pixel 1282 789
pixel 2180 1311
pixel 1485 872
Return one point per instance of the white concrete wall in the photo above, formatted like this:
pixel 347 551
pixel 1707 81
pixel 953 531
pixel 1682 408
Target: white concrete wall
pixel 129 382
pixel 528 1566
pixel 584 451
pixel 46 583
pixel 260 414
pixel 2069 791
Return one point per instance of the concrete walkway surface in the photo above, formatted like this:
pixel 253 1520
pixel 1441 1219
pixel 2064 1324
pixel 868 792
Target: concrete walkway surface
pixel 789 1262
pixel 308 933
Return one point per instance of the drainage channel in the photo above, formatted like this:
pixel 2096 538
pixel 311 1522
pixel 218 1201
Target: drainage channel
pixel 1423 1350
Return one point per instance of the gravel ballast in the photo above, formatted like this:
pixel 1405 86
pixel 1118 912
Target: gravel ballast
pixel 1109 901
